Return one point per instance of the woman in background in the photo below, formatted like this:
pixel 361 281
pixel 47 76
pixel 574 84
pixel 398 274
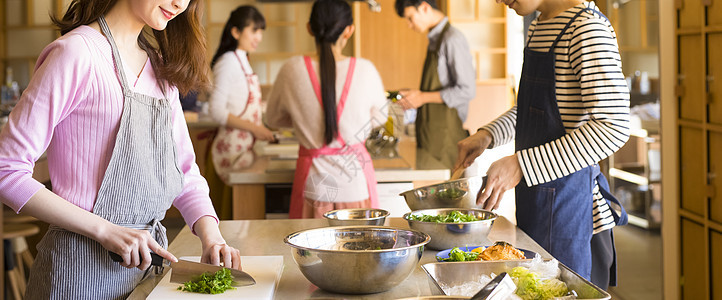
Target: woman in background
pixel 331 117
pixel 235 102
pixel 103 104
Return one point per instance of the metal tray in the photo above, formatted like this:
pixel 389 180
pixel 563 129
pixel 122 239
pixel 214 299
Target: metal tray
pixel 458 273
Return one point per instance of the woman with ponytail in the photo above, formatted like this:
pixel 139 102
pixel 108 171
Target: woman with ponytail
pixel 332 114
pixel 103 103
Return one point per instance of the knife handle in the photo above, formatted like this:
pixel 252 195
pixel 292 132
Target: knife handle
pixel 156 260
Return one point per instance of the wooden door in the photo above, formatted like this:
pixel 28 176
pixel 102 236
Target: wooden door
pixel 698 39
pixel 714 77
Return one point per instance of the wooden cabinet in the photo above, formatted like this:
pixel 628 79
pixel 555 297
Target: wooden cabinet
pixel 484 24
pixel 385 39
pixel 716 266
pixel 690 12
pixel 714 76
pixel 285 35
pixel 698 38
pixel 714 16
pixel 26 29
pixel 692 168
pixel 691 78
pixel 715 177
pixel 693 261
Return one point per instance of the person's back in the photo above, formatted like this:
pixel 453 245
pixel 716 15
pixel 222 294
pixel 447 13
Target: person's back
pixel 331 104
pixel 365 106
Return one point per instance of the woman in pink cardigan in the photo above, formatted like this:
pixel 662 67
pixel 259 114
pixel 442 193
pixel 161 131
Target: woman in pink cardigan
pixel 103 105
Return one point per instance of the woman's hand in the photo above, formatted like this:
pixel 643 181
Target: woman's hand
pixel 262 133
pixel 470 148
pixel 217 252
pixel 215 249
pixel 503 175
pixel 132 244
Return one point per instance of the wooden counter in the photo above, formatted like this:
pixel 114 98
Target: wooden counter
pixel 265 237
pixel 249 195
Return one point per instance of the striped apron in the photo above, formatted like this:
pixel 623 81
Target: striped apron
pixel 140 184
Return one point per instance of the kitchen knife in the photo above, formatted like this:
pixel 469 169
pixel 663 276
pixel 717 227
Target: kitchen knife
pixel 184 271
pixel 498 288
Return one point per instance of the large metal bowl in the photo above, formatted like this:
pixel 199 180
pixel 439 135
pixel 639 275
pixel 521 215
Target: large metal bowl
pixel 357 259
pixel 356 216
pixel 459 193
pixel 449 235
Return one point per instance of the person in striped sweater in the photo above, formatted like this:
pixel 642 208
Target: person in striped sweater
pixel 572 111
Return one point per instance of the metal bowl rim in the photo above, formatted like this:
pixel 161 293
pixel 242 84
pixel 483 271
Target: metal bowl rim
pixel 384 214
pixel 493 215
pixel 427 239
pixel 436 184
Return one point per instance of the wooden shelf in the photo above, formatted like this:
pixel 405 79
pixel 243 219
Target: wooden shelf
pixel 628 176
pixel 639 49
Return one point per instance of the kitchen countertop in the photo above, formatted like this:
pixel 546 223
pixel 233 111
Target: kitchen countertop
pixel 265 237
pixel 277 164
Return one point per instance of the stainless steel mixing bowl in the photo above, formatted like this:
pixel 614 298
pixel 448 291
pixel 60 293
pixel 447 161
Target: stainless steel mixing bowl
pixel 356 216
pixel 449 235
pixel 459 193
pixel 357 259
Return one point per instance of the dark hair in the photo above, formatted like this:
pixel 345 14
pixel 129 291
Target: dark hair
pixel 401 5
pixel 240 18
pixel 329 18
pixel 176 53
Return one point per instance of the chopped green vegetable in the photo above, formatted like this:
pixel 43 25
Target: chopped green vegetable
pixel 209 283
pixel 457 254
pixel 530 287
pixel 454 217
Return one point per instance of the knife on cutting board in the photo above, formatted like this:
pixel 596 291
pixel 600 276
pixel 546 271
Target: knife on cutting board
pixel 184 271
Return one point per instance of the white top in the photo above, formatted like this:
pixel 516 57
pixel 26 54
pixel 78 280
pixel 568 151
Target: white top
pixel 293 103
pixel 230 87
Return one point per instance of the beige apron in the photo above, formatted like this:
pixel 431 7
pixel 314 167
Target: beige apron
pixel 139 185
pixel 232 149
pixel 438 127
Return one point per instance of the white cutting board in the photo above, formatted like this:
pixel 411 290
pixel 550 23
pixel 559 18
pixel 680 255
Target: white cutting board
pixel 266 270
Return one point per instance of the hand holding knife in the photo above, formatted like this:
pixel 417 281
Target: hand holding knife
pixel 184 270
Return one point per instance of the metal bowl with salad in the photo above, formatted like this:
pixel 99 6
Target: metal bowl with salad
pixel 452 227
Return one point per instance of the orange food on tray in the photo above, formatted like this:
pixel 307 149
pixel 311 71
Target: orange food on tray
pixel 501 251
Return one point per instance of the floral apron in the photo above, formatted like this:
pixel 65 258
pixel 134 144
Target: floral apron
pixel 232 148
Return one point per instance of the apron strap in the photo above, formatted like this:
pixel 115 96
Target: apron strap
pixel 116 55
pixel 344 93
pixel 241 62
pixel 561 33
pixel 248 81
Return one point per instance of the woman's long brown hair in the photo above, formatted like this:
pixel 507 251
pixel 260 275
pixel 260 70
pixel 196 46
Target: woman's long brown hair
pixel 178 53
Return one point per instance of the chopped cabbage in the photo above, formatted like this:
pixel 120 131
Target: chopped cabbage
pixel 531 287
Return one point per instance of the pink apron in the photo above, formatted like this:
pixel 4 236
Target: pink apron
pixel 306 156
pixel 232 148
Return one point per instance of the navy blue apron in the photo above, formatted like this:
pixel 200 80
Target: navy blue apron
pixel 556 214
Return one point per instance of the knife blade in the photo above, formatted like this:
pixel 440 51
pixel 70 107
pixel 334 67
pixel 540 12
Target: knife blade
pixel 184 271
pixel 498 288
